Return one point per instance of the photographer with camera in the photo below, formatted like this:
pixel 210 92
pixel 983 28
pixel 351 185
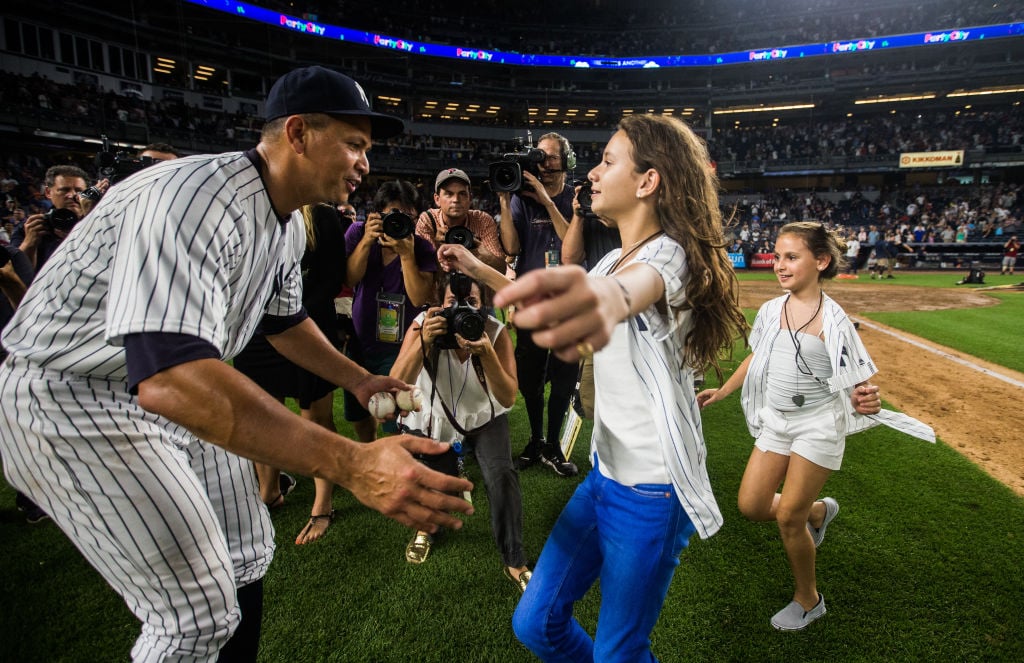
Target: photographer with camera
pixel 471 382
pixel 41 234
pixel 391 270
pixel 533 222
pixel 586 241
pixel 453 222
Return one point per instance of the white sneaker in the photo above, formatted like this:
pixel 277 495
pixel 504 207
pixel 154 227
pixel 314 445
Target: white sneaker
pixel 818 533
pixel 794 618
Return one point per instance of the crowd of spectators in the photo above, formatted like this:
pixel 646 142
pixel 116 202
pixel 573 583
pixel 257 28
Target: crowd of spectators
pixel 864 136
pixel 870 136
pixel 619 28
pixel 914 217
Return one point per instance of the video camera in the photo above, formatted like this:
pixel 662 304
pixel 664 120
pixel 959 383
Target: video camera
pixel 507 174
pixel 398 224
pixel 462 318
pixel 586 201
pixel 115 166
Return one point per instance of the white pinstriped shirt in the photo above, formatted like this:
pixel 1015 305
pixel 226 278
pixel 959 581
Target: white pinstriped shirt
pixel 666 396
pixel 851 365
pixel 189 246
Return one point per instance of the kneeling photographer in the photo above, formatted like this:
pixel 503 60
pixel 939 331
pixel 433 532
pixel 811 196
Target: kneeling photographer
pixel 463 362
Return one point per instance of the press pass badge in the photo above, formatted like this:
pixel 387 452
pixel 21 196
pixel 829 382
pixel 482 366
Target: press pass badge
pixel 553 256
pixel 390 314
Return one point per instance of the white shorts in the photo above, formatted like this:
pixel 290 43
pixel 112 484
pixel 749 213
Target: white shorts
pixel 816 432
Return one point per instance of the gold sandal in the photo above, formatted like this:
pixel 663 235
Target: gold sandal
pixel 418 549
pixel 521 581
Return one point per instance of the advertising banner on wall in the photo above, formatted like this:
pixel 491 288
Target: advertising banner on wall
pixel 931 159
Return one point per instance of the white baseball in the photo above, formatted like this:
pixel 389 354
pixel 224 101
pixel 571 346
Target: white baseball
pixel 381 405
pixel 409 400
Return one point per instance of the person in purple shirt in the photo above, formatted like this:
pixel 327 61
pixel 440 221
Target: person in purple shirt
pixel 393 279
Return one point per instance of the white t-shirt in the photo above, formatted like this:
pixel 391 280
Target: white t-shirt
pixel 459 387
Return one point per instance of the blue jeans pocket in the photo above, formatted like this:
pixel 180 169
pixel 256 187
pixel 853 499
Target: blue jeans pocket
pixel 652 490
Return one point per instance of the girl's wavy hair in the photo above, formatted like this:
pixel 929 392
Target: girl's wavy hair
pixel 822 242
pixel 687 208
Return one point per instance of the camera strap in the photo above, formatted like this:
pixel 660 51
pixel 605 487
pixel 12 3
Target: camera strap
pixel 429 361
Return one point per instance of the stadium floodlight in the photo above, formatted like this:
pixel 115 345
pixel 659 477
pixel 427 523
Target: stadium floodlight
pixel 760 109
pixel 895 98
pixel 985 91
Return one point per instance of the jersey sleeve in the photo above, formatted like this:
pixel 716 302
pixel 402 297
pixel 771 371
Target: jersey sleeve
pixel 669 260
pixel 170 274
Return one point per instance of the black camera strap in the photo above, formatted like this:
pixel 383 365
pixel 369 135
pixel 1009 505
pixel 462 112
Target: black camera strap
pixel 432 372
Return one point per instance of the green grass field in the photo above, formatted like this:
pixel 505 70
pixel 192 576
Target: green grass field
pixel 923 562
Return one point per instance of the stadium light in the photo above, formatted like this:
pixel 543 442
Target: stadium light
pixel 887 100
pixel 985 91
pixel 760 109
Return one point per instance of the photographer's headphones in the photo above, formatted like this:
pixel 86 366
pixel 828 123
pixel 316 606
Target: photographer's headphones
pixel 568 156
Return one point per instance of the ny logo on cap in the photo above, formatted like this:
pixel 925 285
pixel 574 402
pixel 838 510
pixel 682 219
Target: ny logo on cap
pixel 362 94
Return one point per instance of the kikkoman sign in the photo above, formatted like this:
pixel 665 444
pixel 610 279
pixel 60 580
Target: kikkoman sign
pixel 932 159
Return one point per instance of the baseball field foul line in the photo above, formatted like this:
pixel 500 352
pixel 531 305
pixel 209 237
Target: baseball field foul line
pixel 941 353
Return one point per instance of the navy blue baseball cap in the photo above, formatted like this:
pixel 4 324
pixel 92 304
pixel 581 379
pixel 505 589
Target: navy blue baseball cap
pixel 317 89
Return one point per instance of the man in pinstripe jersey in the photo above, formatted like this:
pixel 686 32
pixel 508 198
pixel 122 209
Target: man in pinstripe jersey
pixel 126 424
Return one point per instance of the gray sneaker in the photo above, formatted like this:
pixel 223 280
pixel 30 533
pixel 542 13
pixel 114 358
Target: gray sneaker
pixel 794 618
pixel 818 533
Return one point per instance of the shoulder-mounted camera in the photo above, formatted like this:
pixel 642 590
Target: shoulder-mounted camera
pixel 507 174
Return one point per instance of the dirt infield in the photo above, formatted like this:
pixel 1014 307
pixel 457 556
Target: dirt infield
pixel 967 408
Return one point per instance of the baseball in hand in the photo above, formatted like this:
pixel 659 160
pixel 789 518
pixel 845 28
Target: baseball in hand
pixel 409 400
pixel 381 405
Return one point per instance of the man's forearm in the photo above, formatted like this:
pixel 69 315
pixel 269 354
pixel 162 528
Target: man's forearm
pixel 221 406
pixel 306 346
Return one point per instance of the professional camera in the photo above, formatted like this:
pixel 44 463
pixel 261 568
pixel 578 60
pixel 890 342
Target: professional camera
pixel 460 235
pixel 507 174
pixel 398 225
pixel 92 193
pixel 585 199
pixel 115 166
pixel 59 219
pixel 462 318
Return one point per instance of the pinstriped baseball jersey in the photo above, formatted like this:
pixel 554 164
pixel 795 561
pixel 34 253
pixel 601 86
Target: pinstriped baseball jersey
pixel 189 246
pixel 655 348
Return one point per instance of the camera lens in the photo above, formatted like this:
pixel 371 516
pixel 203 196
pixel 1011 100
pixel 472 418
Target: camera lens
pixel 61 219
pixel 398 225
pixel 468 324
pixel 506 176
pixel 460 235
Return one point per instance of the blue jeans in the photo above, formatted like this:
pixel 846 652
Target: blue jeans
pixel 628 536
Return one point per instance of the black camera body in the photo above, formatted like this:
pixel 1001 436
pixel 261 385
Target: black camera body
pixel 462 319
pixel 115 166
pixel 586 201
pixel 460 235
pixel 507 174
pixel 59 219
pixel 397 224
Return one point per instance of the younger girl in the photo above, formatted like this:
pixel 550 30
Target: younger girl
pixel 805 352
